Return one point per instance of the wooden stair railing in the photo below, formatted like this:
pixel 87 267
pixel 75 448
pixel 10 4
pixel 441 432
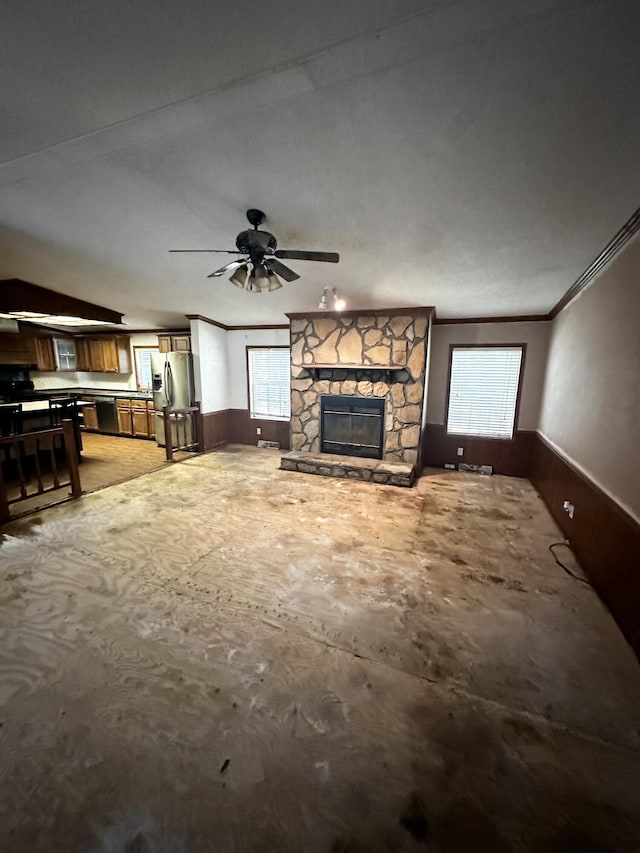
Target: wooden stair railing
pixel 23 456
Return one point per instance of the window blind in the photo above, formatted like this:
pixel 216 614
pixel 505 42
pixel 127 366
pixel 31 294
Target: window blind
pixel 483 391
pixel 269 389
pixel 143 367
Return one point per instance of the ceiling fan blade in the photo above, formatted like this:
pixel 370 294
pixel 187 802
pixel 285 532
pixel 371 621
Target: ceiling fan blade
pixel 280 269
pixel 291 255
pixel 218 251
pixel 232 265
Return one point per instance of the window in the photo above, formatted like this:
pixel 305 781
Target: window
pixel 484 385
pixel 269 393
pixel 142 358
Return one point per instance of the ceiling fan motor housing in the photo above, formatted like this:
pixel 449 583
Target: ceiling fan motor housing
pixel 259 242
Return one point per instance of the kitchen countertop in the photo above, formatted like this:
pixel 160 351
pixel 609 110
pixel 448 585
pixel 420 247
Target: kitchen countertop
pixel 39 406
pixel 97 392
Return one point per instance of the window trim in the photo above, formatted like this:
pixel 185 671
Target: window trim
pixel 263 346
pixel 516 415
pixel 140 387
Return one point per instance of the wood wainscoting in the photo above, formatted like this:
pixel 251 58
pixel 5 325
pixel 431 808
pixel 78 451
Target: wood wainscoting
pixel 213 429
pixel 605 537
pixel 236 426
pixel 242 428
pixel 505 457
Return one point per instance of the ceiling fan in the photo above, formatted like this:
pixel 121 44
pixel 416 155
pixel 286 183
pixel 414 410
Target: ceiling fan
pixel 260 253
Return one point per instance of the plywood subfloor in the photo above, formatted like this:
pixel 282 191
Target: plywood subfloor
pixel 224 656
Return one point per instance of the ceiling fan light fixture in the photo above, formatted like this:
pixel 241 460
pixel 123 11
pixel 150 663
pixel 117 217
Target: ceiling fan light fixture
pixel 239 277
pixel 274 282
pixel 258 279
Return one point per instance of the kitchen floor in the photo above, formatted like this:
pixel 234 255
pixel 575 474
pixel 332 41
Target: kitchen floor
pixel 224 656
pixel 106 459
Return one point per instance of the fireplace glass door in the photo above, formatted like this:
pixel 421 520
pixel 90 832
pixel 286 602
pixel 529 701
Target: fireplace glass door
pixel 352 426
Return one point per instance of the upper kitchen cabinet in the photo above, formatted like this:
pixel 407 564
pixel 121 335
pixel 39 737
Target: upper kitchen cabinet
pixel 104 354
pixel 16 349
pixel 44 355
pixel 83 360
pixel 174 343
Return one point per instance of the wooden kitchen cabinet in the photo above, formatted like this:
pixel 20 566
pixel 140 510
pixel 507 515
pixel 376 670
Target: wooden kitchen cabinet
pixel 174 343
pixel 151 418
pixel 16 349
pixel 44 354
pixel 104 354
pixel 181 343
pixel 140 418
pixel 125 423
pixel 90 417
pixel 83 360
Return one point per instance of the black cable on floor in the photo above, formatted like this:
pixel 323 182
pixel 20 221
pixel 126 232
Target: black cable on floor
pixel 562 565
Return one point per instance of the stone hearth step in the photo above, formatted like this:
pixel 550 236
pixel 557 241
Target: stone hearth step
pixel 354 467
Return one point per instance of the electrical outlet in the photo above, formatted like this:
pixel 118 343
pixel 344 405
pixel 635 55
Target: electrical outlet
pixel 461 451
pixel 448 465
pixel 569 508
pixel 258 431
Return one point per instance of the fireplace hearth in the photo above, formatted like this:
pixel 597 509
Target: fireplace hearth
pixel 352 426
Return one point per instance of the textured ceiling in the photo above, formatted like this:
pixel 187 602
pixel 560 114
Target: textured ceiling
pixel 472 155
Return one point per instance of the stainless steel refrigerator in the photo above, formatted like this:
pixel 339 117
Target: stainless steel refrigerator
pixel 172 375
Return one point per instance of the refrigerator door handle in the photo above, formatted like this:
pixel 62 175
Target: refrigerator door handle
pixel 169 385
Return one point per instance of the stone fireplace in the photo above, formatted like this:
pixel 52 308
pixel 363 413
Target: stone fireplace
pixel 357 393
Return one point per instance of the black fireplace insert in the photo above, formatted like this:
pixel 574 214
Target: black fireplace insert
pixel 352 426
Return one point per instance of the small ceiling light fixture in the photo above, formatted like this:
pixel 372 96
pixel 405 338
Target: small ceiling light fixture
pixel 239 277
pixel 331 300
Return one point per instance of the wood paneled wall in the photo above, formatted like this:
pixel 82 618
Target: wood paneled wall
pixel 243 429
pixel 605 538
pixel 235 426
pixel 505 457
pixel 213 429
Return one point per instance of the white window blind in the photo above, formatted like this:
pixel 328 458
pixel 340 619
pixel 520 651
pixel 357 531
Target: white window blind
pixel 269 390
pixel 143 367
pixel 483 391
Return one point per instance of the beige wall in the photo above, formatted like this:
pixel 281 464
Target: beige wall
pixel 237 342
pixel 536 337
pixel 591 403
pixel 210 366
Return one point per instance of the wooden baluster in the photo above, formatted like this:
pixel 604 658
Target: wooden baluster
pixel 19 456
pixel 5 513
pixel 54 465
pixel 38 470
pixel 72 458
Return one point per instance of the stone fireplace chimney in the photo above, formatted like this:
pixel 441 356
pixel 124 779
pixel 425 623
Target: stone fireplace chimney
pixel 339 361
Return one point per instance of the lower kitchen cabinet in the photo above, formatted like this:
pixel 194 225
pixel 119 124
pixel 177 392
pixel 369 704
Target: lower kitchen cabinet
pixel 90 417
pixel 151 419
pixel 140 419
pixel 125 422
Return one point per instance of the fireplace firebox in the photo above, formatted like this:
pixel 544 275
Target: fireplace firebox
pixel 352 426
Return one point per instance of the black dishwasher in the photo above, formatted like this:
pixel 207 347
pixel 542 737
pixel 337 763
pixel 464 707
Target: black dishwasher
pixel 107 414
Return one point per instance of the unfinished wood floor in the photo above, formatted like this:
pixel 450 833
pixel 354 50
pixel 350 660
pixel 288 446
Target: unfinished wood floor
pixel 222 656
